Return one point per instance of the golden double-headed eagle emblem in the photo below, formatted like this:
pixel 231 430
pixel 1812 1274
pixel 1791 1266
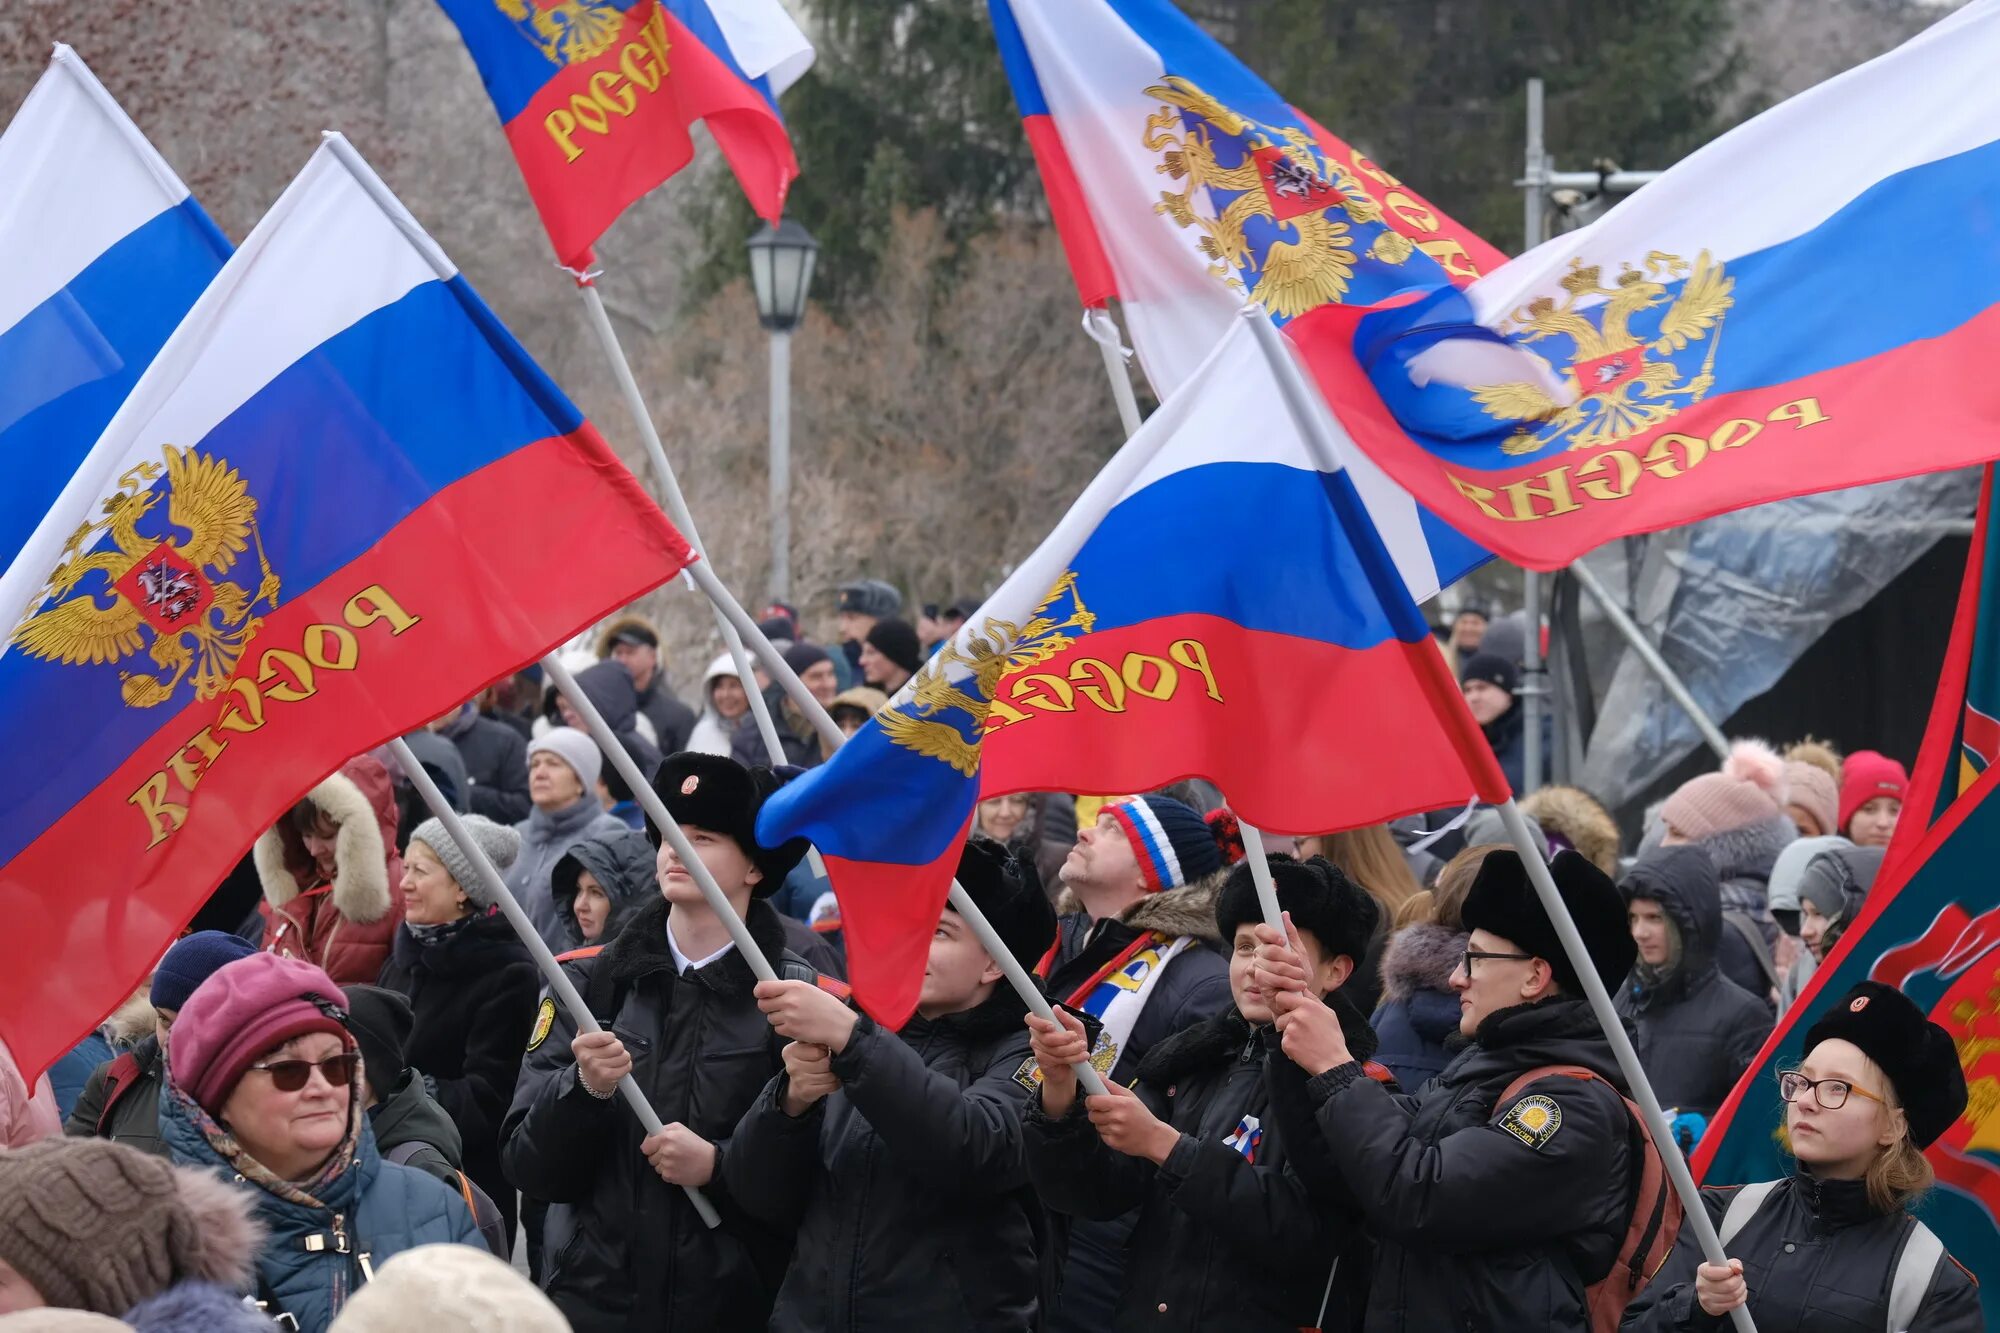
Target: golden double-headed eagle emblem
pixel 1621 380
pixel 941 718
pixel 1266 213
pixel 568 32
pixel 170 586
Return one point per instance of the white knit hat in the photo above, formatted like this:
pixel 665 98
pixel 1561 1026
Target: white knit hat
pixel 573 747
pixel 449 1289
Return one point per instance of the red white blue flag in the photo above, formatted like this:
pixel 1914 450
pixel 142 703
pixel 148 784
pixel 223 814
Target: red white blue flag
pixel 340 499
pixel 1182 184
pixel 1215 604
pixel 597 97
pixel 1812 301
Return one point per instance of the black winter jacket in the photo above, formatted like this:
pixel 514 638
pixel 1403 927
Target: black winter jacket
pixel 409 1114
pixel 1695 1029
pixel 1817 1259
pixel 906 1187
pixel 672 720
pixel 1225 1238
pixel 496 766
pixel 135 1115
pixel 1478 1225
pixel 637 1256
pixel 472 1000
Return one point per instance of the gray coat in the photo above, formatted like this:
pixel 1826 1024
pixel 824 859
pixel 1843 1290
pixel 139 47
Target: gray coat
pixel 544 840
pixel 1695 1029
pixel 623 864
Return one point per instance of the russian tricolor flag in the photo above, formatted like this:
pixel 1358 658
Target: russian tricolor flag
pixel 1182 184
pixel 106 251
pixel 597 97
pixel 1810 302
pixel 1215 605
pixel 341 499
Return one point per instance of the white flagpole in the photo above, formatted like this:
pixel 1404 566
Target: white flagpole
pixel 961 902
pixel 1305 410
pixel 676 506
pixel 551 970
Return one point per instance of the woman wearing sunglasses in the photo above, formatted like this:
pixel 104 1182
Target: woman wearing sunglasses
pixel 261 1082
pixel 1834 1247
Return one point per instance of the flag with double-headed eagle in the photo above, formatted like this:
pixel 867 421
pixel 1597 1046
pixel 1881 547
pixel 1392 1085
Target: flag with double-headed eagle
pixel 1183 185
pixel 1216 604
pixel 597 98
pixel 1809 302
pixel 339 500
pixel 1930 926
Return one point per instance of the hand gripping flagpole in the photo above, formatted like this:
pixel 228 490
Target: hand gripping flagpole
pixel 829 731
pixel 1305 409
pixel 552 972
pixel 656 810
pixel 677 506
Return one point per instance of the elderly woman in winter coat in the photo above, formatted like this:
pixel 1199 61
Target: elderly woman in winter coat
pixel 329 870
pixel 600 882
pixel 1833 1247
pixel 562 782
pixel 472 989
pixel 96 1226
pixel 261 1083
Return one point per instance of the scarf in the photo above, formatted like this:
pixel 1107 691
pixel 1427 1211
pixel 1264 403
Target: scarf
pixel 431 937
pixel 223 1141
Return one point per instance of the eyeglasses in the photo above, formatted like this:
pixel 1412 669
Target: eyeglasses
pixel 1474 955
pixel 1830 1093
pixel 292 1075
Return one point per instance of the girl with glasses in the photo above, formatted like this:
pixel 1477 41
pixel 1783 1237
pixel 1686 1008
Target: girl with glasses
pixel 1834 1247
pixel 261 1081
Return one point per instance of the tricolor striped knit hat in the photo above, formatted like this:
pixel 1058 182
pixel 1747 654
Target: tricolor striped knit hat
pixel 1173 844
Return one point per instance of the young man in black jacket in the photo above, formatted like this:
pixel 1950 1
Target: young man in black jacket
pixel 1229 1234
pixel 1491 1206
pixel 897 1155
pixel 675 998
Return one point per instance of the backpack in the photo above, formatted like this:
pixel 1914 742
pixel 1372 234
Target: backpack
pixel 486 1213
pixel 119 1078
pixel 1916 1266
pixel 1656 1211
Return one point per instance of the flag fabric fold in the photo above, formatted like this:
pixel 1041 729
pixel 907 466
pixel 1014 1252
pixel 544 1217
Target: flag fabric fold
pixel 1215 604
pixel 1182 184
pixel 1807 303
pixel 107 251
pixel 341 499
pixel 597 97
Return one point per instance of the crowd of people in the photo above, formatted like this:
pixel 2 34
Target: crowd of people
pixel 348 1100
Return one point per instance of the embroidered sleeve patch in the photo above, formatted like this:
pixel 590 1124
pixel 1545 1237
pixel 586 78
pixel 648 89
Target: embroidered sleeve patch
pixel 545 1018
pixel 1029 1075
pixel 1533 1120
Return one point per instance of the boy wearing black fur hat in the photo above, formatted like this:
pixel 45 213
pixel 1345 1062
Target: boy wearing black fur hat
pixel 675 999
pixel 1228 1235
pixel 1488 1210
pixel 896 1156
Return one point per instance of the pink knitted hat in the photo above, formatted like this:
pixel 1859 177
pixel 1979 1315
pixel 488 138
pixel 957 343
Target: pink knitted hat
pixel 1812 789
pixel 243 1011
pixel 1749 789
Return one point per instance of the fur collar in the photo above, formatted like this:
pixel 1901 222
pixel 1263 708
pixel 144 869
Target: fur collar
pixel 1751 851
pixel 998 1015
pixel 1421 957
pixel 1221 1039
pixel 361 886
pixel 641 947
pixel 1188 910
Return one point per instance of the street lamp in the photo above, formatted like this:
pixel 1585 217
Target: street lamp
pixel 781 269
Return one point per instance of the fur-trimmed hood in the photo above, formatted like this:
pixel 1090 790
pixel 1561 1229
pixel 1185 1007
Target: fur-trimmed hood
pixel 362 803
pixel 1421 957
pixel 132 1022
pixel 1574 815
pixel 1188 910
pixel 1749 853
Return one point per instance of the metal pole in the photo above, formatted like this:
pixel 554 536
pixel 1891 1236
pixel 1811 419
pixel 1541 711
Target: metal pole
pixel 788 680
pixel 677 506
pixel 656 810
pixel 538 949
pixel 1260 877
pixel 781 465
pixel 1534 193
pixel 1621 1045
pixel 1103 331
pixel 1676 688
